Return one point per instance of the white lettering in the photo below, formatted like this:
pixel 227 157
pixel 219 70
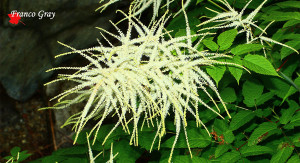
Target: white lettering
pixel 53 13
pixel 41 14
pixel 13 13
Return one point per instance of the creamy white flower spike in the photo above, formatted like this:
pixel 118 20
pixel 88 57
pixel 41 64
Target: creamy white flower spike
pixel 147 77
pixel 234 19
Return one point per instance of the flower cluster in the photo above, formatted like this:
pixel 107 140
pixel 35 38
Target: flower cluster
pixel 233 18
pixel 150 76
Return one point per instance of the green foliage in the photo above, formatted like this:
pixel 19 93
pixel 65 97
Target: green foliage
pixel 226 39
pixel 259 64
pixel 17 155
pixel 264 105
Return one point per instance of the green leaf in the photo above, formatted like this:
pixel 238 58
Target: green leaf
pixel 289 4
pixel 14 151
pixel 228 136
pixel 198 138
pixel 126 152
pixel 236 71
pixel 146 139
pixel 281 16
pixel 255 150
pixel 292 89
pixel 291 23
pixel 226 39
pixel 220 126
pixel 295 121
pixel 264 130
pixel 264 98
pixel 198 1
pixel 78 149
pixel 216 72
pixel 230 157
pixel 186 159
pixel 252 90
pixel 105 129
pixel 296 139
pixel 23 156
pixel 259 64
pixel 221 149
pixel 287 114
pixel 228 95
pixel 287 51
pixel 182 32
pixel 211 45
pixel 282 154
pixel 240 119
pixel 294 159
pixel 246 48
pixel 276 85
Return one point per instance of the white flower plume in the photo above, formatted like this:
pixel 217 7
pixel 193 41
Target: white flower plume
pixel 233 18
pixel 150 76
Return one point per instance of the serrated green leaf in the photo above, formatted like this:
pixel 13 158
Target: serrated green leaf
pixel 211 45
pixel 236 72
pixel 260 100
pixel 263 112
pixel 146 139
pixel 296 139
pixel 228 136
pixel 255 150
pixel 230 157
pixel 281 16
pixel 291 23
pixel 292 89
pixel 261 132
pixel 276 85
pixel 126 152
pixel 294 159
pixel 105 129
pixel 287 51
pixel 78 149
pixel 289 4
pixel 228 95
pixel 240 119
pixel 295 121
pixel 226 39
pixel 264 98
pixel 282 154
pixel 198 138
pixel 75 159
pixel 259 64
pixel 246 48
pixel 220 126
pixel 252 91
pixel 221 149
pixel 216 72
pixel 251 127
pixel 186 159
pixel 287 114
